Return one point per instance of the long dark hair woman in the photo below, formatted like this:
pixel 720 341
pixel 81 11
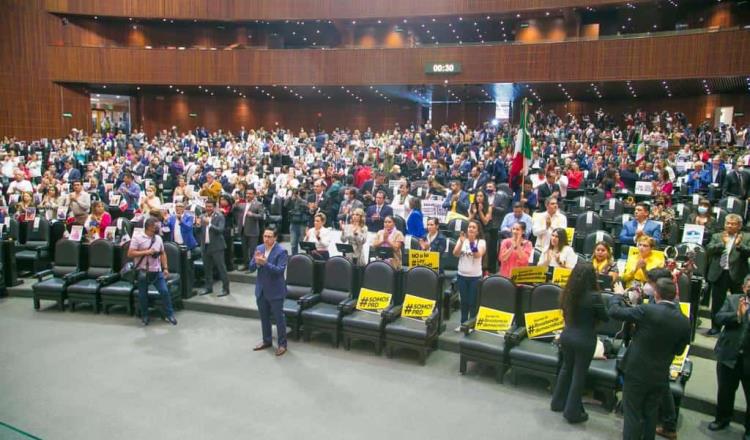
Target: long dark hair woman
pixel 582 308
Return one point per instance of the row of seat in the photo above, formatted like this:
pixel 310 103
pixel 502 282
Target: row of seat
pixel 99 283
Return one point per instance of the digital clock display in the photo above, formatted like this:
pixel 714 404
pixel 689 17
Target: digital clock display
pixel 444 68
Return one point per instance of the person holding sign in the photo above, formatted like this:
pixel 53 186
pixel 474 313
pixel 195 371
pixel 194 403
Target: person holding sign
pixel 662 332
pixel 633 230
pixel 355 234
pixel 390 237
pixel 639 264
pixel 703 216
pixel 514 251
pixel 582 308
pixel 559 253
pixel 98 220
pixel 470 249
pixel 733 357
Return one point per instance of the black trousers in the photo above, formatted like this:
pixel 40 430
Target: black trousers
pixel 249 243
pixel 729 379
pixel 572 378
pixel 492 242
pixel 211 260
pixel 719 290
pixel 640 403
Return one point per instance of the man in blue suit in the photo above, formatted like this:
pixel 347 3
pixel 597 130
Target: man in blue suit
pixel 641 225
pixel 270 289
pixel 180 225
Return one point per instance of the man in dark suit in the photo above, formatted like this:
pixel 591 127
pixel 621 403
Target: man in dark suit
pixel 737 183
pixel 317 200
pixel 662 332
pixel 733 357
pixel 476 180
pixel 377 212
pixel 728 252
pixel 457 200
pixel 212 248
pixel 248 217
pixel 548 188
pixel 270 289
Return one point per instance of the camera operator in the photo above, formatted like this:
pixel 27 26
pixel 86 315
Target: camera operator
pixel 661 333
pixel 733 357
pixel 147 250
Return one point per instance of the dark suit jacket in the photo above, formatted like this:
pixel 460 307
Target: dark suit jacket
pixel 737 258
pixel 580 326
pixel 438 244
pixel 215 225
pixel 651 228
pixel 377 225
pixel 737 184
pixel 249 224
pixel 544 191
pixel 733 334
pixel 270 282
pixel 661 333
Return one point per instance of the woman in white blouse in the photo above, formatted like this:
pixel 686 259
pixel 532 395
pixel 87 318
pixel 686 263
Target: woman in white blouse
pixel 355 233
pixel 470 249
pixel 401 201
pixel 319 235
pixel 559 253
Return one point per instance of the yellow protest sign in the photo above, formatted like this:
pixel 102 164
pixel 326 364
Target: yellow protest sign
pixel 424 258
pixel 529 275
pixel 372 300
pixel 685 307
pixel 492 320
pixel 678 363
pixel 634 255
pixel 570 232
pixel 560 276
pixel 544 323
pixel 417 307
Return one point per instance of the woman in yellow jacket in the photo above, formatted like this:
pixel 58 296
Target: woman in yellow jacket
pixel 647 259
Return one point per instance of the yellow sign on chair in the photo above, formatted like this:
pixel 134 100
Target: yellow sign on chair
pixel 560 276
pixel 424 258
pixel 492 320
pixel 678 363
pixel 529 275
pixel 544 323
pixel 417 307
pixel 373 301
pixel 570 232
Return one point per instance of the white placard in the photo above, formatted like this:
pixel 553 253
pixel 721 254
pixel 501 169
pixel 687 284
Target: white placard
pixel 589 218
pixel 76 233
pixel 680 209
pixel 730 203
pixel 643 188
pixel 599 236
pixel 457 226
pixel 119 223
pixel 693 234
pixel 407 242
pixel 696 199
pixel 582 202
pixel 419 192
pixel 612 204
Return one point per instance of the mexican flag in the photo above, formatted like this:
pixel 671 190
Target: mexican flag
pixel 522 153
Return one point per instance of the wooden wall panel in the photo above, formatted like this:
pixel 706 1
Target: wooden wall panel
pixel 473 115
pixel 724 53
pixel 162 112
pixel 307 9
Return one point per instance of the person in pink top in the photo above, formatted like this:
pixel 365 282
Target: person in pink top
pixel 514 251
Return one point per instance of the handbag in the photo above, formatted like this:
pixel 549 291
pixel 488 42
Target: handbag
pixel 129 270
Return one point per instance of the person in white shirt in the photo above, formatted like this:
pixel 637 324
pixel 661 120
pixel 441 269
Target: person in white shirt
pixel 559 253
pixel 543 224
pixel 320 235
pixel 470 249
pixel 20 184
pixel 401 201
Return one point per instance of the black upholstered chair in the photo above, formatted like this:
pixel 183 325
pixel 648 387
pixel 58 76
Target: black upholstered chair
pixel 363 325
pixel 173 280
pixel 589 243
pixel 101 263
pixel 611 208
pixel 603 375
pixel 732 205
pixel 275 213
pixel 462 226
pixel 536 357
pixel 53 283
pixel 699 257
pixel 34 253
pixel 322 312
pixel 449 264
pixel 497 293
pixel 400 223
pixel 682 212
pixel 300 283
pixel 116 291
pixel 409 333
pixel 579 205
